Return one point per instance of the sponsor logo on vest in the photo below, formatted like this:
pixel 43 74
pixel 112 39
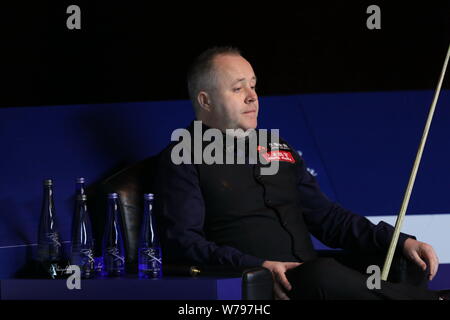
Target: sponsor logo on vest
pixel 276 155
pixel 278 146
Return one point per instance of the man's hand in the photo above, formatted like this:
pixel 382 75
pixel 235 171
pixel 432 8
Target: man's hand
pixel 280 281
pixel 423 254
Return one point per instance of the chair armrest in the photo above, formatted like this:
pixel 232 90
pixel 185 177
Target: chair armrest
pixel 257 282
pixel 402 269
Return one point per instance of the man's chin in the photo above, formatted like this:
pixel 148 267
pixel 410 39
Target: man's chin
pixel 248 125
pixel 243 125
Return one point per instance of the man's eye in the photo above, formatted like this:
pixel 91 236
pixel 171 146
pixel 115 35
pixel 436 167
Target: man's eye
pixel 236 89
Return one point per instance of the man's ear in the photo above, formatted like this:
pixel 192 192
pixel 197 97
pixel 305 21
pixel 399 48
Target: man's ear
pixel 204 101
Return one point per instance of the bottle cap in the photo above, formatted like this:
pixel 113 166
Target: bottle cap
pixel 113 195
pixel 149 196
pixel 80 180
pixel 48 182
pixel 82 197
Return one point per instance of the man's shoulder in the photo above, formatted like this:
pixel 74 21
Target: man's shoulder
pixel 168 149
pixel 176 155
pixel 169 156
pixel 179 138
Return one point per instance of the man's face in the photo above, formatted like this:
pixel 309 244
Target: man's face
pixel 234 102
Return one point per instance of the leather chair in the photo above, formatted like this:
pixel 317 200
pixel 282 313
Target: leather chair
pixel 133 181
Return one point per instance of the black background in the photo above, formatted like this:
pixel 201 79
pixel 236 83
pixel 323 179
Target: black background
pixel 139 51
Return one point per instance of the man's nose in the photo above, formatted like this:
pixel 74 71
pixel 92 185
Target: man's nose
pixel 251 96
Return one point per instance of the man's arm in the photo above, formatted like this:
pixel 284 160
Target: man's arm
pixel 181 216
pixel 338 227
pixel 341 228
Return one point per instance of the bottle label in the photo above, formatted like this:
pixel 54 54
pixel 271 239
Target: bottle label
pixel 115 254
pixel 49 247
pixel 89 254
pixel 54 238
pixel 152 254
pixel 150 262
pixel 83 258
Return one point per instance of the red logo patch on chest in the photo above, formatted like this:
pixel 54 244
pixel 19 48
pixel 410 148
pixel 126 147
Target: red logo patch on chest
pixel 276 155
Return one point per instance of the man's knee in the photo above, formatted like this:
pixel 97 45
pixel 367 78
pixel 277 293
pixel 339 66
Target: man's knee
pixel 312 278
pixel 318 270
pixel 326 278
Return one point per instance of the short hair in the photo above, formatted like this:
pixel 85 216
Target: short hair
pixel 201 73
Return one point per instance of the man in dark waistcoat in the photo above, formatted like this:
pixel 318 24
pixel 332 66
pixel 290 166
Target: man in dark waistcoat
pixel 231 213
